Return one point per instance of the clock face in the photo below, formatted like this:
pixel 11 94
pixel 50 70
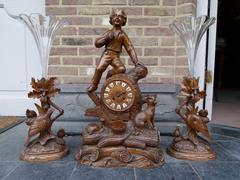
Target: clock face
pixel 118 95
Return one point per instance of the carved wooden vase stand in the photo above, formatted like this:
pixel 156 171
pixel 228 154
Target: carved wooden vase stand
pixel 125 135
pixel 189 146
pixel 46 146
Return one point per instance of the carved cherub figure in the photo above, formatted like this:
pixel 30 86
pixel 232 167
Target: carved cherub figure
pixel 146 116
pixel 113 40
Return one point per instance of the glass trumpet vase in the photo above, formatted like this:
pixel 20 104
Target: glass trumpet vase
pixel 44 29
pixel 191 30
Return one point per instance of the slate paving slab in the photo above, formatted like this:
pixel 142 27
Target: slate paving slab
pixel 89 173
pixel 40 171
pixel 213 170
pixel 6 168
pixel 170 171
pixel 233 147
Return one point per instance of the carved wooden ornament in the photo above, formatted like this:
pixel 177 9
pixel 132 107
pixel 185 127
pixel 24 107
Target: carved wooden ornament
pixel 125 134
pixel 189 146
pixel 47 146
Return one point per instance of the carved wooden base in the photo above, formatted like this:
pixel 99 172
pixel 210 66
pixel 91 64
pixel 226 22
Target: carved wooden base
pixel 53 150
pixel 105 148
pixel 185 149
pixel 120 156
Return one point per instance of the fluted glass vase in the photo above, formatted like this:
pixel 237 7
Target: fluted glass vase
pixel 191 30
pixel 44 30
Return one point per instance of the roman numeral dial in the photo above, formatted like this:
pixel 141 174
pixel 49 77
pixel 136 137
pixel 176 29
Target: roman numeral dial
pixel 118 95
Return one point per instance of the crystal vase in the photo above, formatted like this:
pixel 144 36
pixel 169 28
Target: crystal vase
pixel 191 30
pixel 187 145
pixel 44 30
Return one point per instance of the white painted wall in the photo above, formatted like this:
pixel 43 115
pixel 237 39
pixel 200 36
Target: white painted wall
pixel 202 9
pixel 19 59
pixel 211 56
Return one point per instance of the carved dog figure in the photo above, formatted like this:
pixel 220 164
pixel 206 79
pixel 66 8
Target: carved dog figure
pixel 146 116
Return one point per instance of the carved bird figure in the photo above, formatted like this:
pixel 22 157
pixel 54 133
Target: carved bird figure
pixel 39 124
pixel 198 121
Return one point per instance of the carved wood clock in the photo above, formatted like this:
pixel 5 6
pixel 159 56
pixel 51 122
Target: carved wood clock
pixel 118 94
pixel 120 98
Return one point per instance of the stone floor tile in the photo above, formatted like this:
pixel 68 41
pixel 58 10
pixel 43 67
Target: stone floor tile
pixel 42 171
pixel 168 171
pixel 6 168
pixel 213 170
pixel 219 137
pixel 232 147
pixel 89 173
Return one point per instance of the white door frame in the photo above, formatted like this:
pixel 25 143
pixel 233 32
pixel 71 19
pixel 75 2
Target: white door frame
pixel 208 41
pixel 13 98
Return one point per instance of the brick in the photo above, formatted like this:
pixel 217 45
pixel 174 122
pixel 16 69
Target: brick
pixel 77 61
pixel 77 41
pixel 54 61
pixel 179 41
pixel 76 80
pixel 134 31
pixel 181 51
pixel 69 31
pixel 161 71
pixel 91 31
pixel 188 9
pixel 63 51
pixel 163 11
pixel 166 21
pixel 143 21
pixel 186 1
pixel 149 80
pixel 52 2
pixel 167 61
pixel 144 41
pixel 93 11
pixel 169 3
pixel 146 61
pixel 158 31
pixel 61 10
pixel 84 51
pixel 159 51
pixel 143 2
pixel 79 21
pixel 132 11
pixel 103 21
pixel 56 41
pixel 63 71
pixel 181 71
pixel 110 2
pixel 181 61
pixel 83 71
pixel 76 2
pixel 168 41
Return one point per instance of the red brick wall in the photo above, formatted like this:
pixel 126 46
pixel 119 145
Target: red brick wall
pixel 74 57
